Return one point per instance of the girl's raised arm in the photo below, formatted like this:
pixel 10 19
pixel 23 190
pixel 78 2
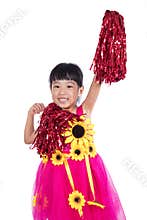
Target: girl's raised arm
pixel 92 95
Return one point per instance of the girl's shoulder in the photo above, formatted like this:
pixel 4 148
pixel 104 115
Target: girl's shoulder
pixel 81 111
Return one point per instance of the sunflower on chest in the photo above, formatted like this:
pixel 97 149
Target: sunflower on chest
pixel 80 136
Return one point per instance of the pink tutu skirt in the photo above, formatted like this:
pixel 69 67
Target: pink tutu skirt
pixel 52 188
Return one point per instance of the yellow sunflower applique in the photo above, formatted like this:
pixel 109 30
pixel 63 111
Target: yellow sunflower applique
pixel 39 201
pixel 91 149
pixel 77 152
pixel 58 158
pixel 79 132
pixel 44 158
pixel 77 201
pixel 34 200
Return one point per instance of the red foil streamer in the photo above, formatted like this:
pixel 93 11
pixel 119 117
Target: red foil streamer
pixel 53 123
pixel 109 63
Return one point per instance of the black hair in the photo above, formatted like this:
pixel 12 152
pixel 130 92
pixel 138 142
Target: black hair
pixel 66 71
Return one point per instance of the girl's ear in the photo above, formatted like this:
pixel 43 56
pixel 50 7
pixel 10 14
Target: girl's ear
pixel 81 89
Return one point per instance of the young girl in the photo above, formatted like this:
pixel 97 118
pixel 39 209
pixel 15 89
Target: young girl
pixel 72 182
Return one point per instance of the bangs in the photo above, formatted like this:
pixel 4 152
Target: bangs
pixel 64 71
pixel 62 76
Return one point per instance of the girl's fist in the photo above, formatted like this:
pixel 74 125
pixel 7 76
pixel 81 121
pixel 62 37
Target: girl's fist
pixel 36 108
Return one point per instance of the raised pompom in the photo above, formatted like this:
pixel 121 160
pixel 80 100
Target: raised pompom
pixel 109 63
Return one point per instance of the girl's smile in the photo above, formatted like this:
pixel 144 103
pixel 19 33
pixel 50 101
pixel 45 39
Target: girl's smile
pixel 65 93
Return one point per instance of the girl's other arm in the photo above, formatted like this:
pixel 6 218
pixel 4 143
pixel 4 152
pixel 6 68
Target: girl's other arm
pixel 29 131
pixel 92 95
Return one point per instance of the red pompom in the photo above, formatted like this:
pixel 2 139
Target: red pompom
pixel 53 123
pixel 109 63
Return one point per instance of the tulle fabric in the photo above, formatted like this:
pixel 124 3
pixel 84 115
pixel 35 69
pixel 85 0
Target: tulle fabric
pixel 53 187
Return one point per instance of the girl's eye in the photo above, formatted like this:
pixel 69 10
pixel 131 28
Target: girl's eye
pixel 55 86
pixel 69 86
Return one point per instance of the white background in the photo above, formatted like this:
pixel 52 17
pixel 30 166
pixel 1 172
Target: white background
pixel 34 37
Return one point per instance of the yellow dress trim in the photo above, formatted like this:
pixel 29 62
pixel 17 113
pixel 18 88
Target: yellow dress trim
pixel 91 184
pixel 69 174
pixel 89 175
pixel 96 204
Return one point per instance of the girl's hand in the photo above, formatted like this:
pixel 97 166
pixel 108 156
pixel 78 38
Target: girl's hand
pixel 36 108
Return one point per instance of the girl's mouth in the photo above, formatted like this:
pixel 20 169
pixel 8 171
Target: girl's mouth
pixel 62 100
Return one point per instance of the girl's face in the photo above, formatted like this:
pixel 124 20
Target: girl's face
pixel 65 94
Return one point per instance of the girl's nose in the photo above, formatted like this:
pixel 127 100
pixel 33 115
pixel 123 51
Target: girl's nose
pixel 62 91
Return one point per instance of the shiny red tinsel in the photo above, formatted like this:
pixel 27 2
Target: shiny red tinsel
pixel 53 123
pixel 109 63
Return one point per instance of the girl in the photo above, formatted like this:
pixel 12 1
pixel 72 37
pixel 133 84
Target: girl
pixel 72 181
